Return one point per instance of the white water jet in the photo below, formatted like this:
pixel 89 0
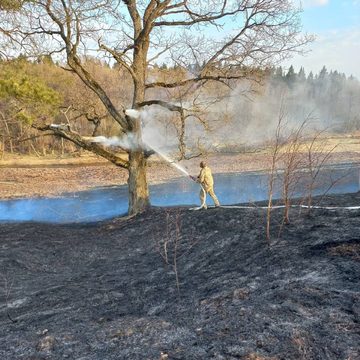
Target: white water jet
pixel 126 142
pixel 170 161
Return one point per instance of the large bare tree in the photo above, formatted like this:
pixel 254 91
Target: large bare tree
pixel 217 41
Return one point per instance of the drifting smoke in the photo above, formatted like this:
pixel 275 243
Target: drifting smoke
pixel 153 137
pixel 133 113
pixel 249 114
pixel 125 142
pixel 156 137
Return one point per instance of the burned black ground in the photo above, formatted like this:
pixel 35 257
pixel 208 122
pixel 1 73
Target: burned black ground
pixel 104 290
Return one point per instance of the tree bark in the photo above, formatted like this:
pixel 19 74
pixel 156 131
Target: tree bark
pixel 139 199
pixel 137 182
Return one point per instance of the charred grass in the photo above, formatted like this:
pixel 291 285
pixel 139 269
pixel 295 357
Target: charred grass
pixel 107 290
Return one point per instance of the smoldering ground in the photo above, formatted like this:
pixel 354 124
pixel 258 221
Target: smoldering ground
pixel 104 290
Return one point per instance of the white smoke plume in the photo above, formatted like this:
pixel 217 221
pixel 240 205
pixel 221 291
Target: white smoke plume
pixel 247 116
pixel 155 136
pixel 132 113
pixel 125 142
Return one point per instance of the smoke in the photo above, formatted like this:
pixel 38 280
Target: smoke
pixel 159 128
pixel 125 142
pixel 156 134
pixel 253 115
pixel 132 113
pixel 248 115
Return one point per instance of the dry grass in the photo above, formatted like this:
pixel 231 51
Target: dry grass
pixel 255 356
pixel 352 250
pixel 25 176
pixel 300 341
pixel 50 160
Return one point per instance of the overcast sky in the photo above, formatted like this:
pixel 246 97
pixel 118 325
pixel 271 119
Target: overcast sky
pixel 336 25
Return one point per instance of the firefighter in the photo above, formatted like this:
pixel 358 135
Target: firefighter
pixel 206 180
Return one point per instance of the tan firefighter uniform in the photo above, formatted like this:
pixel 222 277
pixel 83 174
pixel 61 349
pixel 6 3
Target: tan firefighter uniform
pixel 206 179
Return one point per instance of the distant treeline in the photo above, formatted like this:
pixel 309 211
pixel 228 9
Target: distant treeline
pixel 332 97
pixel 42 92
pixel 329 100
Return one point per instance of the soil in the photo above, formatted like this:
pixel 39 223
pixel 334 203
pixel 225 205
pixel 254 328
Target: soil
pixel 179 284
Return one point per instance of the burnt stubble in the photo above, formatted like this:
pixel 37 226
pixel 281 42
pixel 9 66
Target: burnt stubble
pixel 106 290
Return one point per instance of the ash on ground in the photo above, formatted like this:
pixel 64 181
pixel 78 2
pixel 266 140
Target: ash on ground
pixel 180 284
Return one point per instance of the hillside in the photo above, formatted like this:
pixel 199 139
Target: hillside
pixel 104 291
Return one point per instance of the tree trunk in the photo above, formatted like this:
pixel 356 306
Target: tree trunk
pixel 138 187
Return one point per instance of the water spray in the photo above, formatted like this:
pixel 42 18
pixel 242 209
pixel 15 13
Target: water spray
pixel 125 143
pixel 170 161
pixel 183 170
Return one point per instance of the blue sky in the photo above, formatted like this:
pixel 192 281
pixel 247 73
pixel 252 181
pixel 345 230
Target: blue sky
pixel 323 15
pixel 336 26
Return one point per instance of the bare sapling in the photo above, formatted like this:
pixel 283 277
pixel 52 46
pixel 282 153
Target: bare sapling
pixel 333 182
pixel 176 244
pixel 293 162
pixel 5 129
pixel 318 154
pixel 287 158
pixel 2 148
pixel 163 245
pixel 7 287
pixel 169 247
pixel 288 155
pixel 275 150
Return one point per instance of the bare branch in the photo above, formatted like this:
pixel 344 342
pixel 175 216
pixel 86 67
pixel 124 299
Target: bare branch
pixel 118 57
pixel 87 145
pixel 219 78
pixel 163 104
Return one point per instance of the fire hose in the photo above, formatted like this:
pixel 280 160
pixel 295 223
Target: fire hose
pixel 273 207
pixel 204 192
pixel 266 207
